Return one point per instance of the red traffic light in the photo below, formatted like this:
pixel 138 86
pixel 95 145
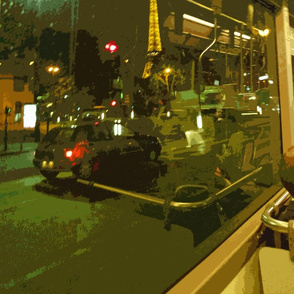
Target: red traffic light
pixel 113 103
pixel 111 47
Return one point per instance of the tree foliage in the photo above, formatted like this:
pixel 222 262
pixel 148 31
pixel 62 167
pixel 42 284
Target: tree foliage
pixel 18 29
pixel 167 79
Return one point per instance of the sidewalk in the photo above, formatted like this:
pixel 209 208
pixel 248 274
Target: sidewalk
pixel 16 164
pixel 17 148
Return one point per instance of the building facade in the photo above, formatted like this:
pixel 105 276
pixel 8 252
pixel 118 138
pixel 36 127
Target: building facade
pixel 14 95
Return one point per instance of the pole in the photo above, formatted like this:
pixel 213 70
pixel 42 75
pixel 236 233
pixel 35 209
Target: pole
pixel 36 92
pixel 5 130
pixel 251 65
pixel 47 123
pixel 241 62
pixel 73 34
pixel 193 74
pixel 200 77
pixel 249 21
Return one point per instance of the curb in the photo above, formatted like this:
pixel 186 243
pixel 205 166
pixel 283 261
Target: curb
pixel 7 153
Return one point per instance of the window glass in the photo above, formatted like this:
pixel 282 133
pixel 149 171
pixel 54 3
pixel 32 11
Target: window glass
pixel 65 134
pixel 17 117
pixel 195 118
pixel 98 133
pixel 50 137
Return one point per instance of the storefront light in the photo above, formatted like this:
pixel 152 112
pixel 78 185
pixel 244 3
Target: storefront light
pixel 30 117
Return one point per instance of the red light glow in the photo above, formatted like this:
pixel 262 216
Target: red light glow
pixel 68 153
pixel 77 152
pixel 111 47
pixel 113 103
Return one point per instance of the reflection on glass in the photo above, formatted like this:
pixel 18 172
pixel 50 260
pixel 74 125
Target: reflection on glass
pixel 200 143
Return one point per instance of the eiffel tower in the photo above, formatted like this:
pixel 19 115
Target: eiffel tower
pixel 154 41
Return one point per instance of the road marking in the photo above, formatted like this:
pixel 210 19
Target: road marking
pixel 42 269
pixel 80 251
pixel 28 200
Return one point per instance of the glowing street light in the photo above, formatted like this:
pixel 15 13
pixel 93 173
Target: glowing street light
pixel 53 69
pixel 168 70
pixel 263 33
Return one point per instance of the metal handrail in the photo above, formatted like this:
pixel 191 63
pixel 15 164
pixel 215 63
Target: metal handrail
pixel 273 209
pixel 176 204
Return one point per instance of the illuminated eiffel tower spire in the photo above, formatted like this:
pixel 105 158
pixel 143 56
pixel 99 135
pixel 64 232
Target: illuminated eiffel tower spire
pixel 154 41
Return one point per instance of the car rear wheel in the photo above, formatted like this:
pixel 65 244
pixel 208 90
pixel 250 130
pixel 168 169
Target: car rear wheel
pixel 49 175
pixel 85 170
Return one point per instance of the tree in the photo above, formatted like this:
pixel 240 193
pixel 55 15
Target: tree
pixel 18 30
pixel 165 82
pixel 54 45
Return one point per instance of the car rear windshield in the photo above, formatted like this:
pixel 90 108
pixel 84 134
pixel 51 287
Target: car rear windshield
pixel 91 133
pixel 59 135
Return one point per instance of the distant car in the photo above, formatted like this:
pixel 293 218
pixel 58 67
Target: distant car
pixel 86 148
pixel 94 114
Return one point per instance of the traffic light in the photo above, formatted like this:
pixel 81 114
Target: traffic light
pixel 7 110
pixel 111 47
pixel 113 103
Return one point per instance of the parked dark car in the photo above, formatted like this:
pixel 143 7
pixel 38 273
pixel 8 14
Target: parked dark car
pixel 86 148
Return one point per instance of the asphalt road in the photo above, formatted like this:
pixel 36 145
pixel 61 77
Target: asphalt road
pixel 89 241
pixel 65 237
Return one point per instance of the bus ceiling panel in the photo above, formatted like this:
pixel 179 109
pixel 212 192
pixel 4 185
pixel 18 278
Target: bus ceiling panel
pixel 232 14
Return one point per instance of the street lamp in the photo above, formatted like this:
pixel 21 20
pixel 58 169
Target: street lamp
pixel 263 33
pixel 53 69
pixel 168 70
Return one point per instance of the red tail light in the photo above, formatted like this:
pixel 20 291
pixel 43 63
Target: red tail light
pixel 68 153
